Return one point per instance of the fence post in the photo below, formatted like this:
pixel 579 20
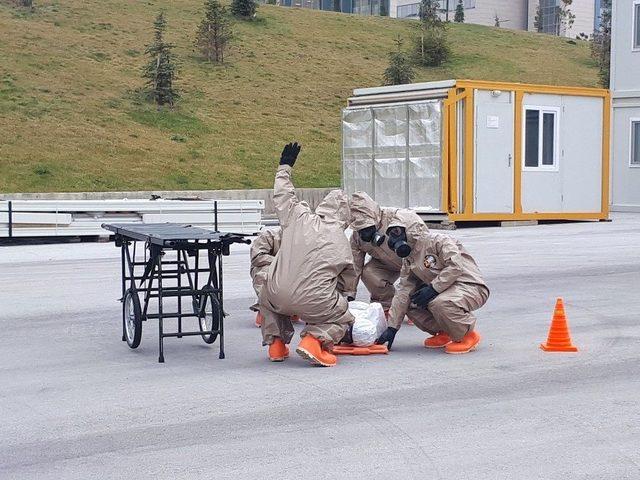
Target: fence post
pixel 215 215
pixel 10 219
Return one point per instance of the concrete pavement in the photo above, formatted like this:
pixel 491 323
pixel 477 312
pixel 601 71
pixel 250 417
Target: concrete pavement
pixel 76 403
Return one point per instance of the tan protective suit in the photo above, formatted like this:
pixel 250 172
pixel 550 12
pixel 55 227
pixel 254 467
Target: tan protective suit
pixel 443 262
pixel 383 269
pixel 311 268
pixel 263 251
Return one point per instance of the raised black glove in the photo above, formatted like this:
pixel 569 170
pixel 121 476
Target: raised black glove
pixel 290 154
pixel 424 295
pixel 387 336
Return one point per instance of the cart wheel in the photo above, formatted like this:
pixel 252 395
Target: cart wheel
pixel 209 314
pixel 132 318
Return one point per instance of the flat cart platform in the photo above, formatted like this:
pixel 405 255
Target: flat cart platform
pixel 184 284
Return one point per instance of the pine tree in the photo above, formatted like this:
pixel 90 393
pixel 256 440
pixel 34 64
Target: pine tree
pixel 429 13
pixel 565 18
pixel 459 16
pixel 214 32
pixel 431 46
pixel 399 70
pixel 537 22
pixel 161 70
pixel 601 44
pixel 244 8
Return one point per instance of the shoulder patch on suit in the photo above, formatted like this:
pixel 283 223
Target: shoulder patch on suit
pixel 429 261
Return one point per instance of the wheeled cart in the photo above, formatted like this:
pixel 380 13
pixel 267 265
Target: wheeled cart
pixel 172 271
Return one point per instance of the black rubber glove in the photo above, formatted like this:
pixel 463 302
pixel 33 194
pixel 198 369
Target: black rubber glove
pixel 389 336
pixel 290 154
pixel 350 298
pixel 424 295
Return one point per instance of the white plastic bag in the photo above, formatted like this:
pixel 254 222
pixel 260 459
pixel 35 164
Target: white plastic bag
pixel 370 323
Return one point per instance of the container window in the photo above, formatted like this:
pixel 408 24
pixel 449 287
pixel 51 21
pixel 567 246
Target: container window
pixel 635 142
pixel 548 140
pixel 532 138
pixel 540 138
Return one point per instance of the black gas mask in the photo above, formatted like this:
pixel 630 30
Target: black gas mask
pixel 398 241
pixel 371 235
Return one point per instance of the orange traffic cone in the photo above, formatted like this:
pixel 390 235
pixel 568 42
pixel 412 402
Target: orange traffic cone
pixel 559 339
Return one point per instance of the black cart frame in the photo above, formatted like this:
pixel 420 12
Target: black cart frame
pixel 185 275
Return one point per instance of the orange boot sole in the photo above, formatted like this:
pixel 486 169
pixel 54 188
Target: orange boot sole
pixel 439 340
pixel 311 349
pixel 278 351
pixel 468 344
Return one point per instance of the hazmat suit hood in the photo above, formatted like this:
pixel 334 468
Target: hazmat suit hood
pixel 335 208
pixel 414 226
pixel 364 212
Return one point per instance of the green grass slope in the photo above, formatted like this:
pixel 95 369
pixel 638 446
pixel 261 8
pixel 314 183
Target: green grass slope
pixel 70 118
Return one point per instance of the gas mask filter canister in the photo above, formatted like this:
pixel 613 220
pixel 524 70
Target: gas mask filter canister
pixel 398 241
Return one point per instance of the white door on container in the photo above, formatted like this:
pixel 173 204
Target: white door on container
pixel 494 158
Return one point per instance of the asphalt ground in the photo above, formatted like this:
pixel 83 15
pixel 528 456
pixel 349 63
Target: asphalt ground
pixel 77 403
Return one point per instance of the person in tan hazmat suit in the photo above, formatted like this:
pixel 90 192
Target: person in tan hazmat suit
pixel 309 273
pixel 263 251
pixel 369 224
pixel 440 286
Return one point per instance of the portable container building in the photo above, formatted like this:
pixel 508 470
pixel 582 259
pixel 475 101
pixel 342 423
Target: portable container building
pixel 475 150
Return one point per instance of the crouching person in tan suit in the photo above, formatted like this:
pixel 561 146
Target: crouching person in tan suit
pixel 440 286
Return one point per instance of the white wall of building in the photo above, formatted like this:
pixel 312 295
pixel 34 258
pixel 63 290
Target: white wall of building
pixel 625 86
pixel 513 14
pixel 584 10
pixel 625 59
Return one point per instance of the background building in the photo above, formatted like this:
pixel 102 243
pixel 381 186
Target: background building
pixel 625 86
pixel 513 14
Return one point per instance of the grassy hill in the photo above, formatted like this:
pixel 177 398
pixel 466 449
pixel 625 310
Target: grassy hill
pixel 71 119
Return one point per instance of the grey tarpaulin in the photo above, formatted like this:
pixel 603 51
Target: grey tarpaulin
pixel 393 152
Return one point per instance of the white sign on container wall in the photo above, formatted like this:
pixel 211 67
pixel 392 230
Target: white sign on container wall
pixel 493 121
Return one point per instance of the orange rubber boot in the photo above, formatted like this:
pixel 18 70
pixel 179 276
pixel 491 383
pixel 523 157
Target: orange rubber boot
pixel 311 349
pixel 468 343
pixel 439 340
pixel 278 351
pixel 259 319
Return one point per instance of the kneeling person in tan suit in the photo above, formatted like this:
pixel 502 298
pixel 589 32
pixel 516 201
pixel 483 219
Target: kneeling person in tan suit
pixel 309 272
pixel 263 251
pixel 369 224
pixel 440 286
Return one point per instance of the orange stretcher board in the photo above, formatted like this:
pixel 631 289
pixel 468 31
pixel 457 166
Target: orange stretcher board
pixel 353 350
